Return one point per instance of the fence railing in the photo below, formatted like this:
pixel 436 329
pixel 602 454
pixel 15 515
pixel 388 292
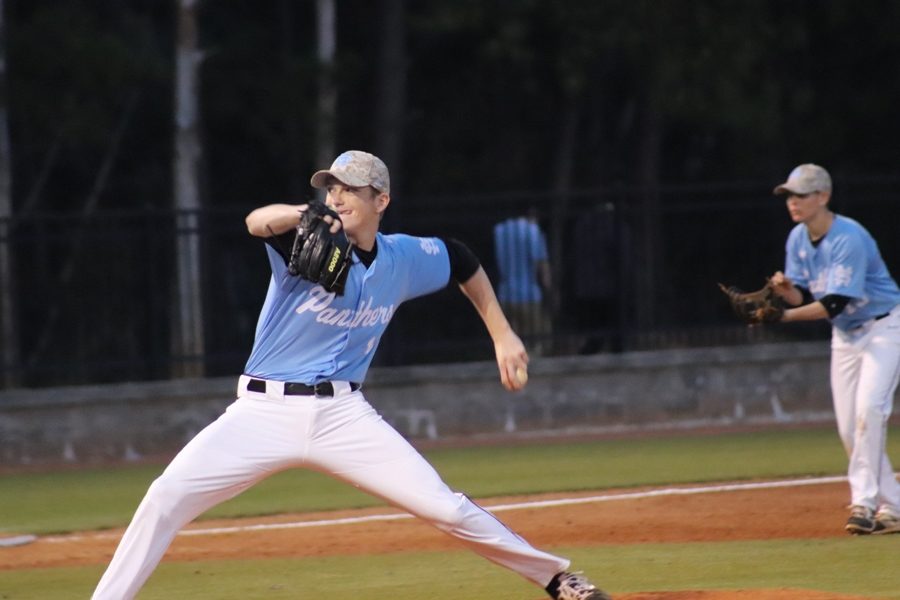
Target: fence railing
pixel 91 299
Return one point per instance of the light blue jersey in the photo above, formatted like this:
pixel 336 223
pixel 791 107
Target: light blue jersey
pixel 307 335
pixel 519 245
pixel 846 262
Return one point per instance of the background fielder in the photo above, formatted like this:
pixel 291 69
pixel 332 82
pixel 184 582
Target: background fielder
pixel 299 403
pixel 833 270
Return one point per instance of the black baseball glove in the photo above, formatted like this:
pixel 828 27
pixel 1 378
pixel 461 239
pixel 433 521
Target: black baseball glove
pixel 754 308
pixel 319 255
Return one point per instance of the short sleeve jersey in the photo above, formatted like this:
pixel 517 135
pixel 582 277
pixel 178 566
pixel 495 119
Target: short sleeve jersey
pixel 847 262
pixel 518 246
pixel 306 334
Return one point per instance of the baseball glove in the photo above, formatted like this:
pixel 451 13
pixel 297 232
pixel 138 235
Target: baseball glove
pixel 753 308
pixel 317 254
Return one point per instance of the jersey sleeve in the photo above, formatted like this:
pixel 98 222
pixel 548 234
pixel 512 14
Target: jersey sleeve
pixel 793 266
pixel 277 261
pixel 423 261
pixel 847 272
pixel 282 244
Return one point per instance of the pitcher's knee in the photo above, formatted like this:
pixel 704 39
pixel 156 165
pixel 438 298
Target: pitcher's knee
pixel 870 420
pixel 166 498
pixel 447 514
pixel 847 437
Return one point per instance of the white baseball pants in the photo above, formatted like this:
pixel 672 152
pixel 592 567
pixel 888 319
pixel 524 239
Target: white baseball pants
pixel 263 433
pixel 864 374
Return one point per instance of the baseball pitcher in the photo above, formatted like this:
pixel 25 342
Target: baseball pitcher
pixel 336 282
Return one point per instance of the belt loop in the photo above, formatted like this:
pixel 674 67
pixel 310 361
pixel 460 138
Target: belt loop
pixel 243 380
pixel 344 387
pixel 275 390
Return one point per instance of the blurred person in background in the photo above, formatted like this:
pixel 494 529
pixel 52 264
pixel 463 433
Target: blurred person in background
pixel 600 235
pixel 523 265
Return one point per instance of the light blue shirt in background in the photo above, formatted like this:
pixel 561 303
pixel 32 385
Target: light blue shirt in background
pixel 519 244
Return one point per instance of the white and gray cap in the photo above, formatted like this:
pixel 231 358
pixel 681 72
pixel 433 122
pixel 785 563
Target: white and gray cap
pixel 355 168
pixel 805 179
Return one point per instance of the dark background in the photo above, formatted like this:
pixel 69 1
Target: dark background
pixel 666 124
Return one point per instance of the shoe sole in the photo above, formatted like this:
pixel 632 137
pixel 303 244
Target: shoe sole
pixel 858 530
pixel 887 530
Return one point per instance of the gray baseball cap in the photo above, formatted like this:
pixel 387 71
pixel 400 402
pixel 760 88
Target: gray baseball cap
pixel 358 169
pixel 805 179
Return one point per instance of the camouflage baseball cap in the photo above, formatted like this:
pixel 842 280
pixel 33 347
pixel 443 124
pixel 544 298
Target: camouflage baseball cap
pixel 356 168
pixel 805 179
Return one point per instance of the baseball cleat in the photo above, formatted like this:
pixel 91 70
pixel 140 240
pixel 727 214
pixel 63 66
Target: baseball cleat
pixel 886 522
pixel 573 586
pixel 861 521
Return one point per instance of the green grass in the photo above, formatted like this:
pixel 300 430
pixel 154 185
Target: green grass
pixel 840 565
pixel 97 498
pixel 103 498
pixel 566 466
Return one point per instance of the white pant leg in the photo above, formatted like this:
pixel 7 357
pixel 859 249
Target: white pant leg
pixel 252 440
pixel 354 443
pixel 864 378
pixel 845 365
pixel 875 400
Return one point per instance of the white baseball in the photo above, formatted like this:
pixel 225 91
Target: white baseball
pixel 522 375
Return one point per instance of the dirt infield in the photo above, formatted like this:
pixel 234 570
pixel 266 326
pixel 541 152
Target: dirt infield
pixel 817 512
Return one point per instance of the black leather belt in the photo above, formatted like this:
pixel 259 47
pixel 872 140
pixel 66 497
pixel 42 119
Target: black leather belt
pixel 323 388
